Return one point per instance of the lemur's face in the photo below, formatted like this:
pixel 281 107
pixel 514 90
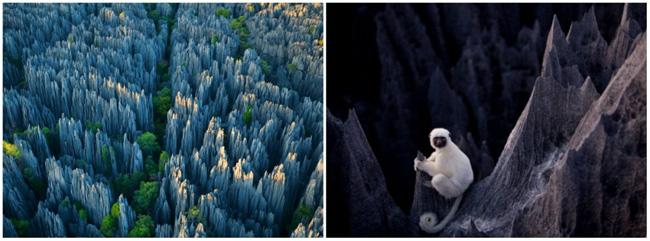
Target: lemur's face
pixel 439 141
pixel 439 138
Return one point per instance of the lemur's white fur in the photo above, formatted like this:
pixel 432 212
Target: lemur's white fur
pixel 452 174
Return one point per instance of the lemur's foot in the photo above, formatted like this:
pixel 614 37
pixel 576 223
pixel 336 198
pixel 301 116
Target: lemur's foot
pixel 427 184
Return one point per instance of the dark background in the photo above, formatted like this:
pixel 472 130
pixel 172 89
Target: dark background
pixel 379 62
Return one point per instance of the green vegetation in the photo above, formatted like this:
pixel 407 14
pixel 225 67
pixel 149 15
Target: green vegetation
pixel 162 69
pixel 11 149
pixel 214 39
pixel 36 184
pixel 78 205
pixel 47 133
pixel 115 210
pixel 302 214
pixel 145 197
pixel 193 212
pixel 162 66
pixel 80 163
pixel 162 102
pixel 292 67
pixel 109 222
pixel 150 167
pixel 153 15
pixel 162 161
pixel 250 7
pixel 83 215
pixel 239 26
pixel 65 202
pixel 312 30
pixel 148 144
pixel 21 226
pixel 52 138
pixel 222 12
pixel 266 68
pixel 107 151
pixel 93 126
pixel 127 183
pixel 70 38
pixel 143 227
pixel 108 226
pixel 248 115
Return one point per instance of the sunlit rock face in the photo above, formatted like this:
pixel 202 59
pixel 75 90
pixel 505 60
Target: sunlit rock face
pixel 242 131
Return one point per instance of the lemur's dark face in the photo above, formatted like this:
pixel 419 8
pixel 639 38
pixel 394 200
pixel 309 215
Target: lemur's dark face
pixel 439 138
pixel 439 141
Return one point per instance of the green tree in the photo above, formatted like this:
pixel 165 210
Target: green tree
pixel 250 7
pixel 153 15
pixel 193 212
pixel 292 67
pixel 214 39
pixel 21 226
pixel 222 12
pixel 248 115
pixel 109 222
pixel 162 102
pixel 148 144
pixel 162 161
pixel 302 213
pixel 162 67
pixel 266 68
pixel 93 126
pixel 52 139
pixel 108 226
pixel 115 210
pixel 106 158
pixel 150 167
pixel 36 184
pixel 143 227
pixel 11 149
pixel 145 197
pixel 126 184
pixel 239 26
pixel 83 215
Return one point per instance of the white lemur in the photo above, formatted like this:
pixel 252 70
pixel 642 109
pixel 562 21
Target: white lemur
pixel 452 174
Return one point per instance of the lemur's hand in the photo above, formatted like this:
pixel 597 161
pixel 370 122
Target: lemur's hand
pixel 416 164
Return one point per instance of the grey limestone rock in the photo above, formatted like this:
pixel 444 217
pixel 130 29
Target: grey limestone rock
pixel 8 228
pixel 126 218
pixel 575 172
pixel 47 223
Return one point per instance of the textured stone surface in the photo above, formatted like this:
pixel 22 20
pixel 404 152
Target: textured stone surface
pixel 358 182
pixel 8 228
pixel 48 223
pixel 126 218
pixel 408 68
pixel 17 198
pixel 573 165
pixel 244 131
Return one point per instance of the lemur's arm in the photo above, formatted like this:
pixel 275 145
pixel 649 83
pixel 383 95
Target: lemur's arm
pixel 432 157
pixel 428 165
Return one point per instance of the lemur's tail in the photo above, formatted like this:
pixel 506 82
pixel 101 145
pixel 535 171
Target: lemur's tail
pixel 429 221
